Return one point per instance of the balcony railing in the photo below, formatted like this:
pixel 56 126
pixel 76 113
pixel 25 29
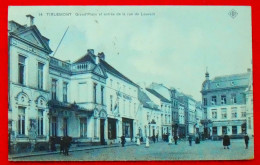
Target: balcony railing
pixel 60 64
pixel 79 67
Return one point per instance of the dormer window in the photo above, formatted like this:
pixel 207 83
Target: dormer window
pixel 217 85
pixel 232 83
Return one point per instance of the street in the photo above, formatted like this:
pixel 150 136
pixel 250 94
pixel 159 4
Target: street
pixel 206 150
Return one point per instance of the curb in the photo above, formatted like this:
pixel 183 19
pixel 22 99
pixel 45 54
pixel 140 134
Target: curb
pixel 57 152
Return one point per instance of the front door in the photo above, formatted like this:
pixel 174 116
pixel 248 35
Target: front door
pixel 102 139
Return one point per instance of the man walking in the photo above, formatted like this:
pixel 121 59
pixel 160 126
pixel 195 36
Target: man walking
pixel 246 137
pixel 123 140
pixel 175 139
pixel 153 137
pixel 190 140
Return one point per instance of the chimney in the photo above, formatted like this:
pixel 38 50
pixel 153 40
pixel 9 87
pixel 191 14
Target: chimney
pixel 207 74
pixel 30 19
pixel 101 56
pixel 91 51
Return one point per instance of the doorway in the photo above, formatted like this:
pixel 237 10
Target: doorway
pixel 102 137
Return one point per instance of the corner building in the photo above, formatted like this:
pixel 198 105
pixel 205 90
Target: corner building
pixel 224 104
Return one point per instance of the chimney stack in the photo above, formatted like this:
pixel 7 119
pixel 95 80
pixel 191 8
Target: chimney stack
pixel 91 51
pixel 101 56
pixel 30 19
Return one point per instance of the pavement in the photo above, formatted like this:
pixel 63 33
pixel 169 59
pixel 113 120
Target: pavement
pixel 72 149
pixel 206 150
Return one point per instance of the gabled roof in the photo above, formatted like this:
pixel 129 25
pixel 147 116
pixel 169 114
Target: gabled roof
pixel 87 57
pixel 146 101
pixel 230 81
pixel 18 30
pixel 163 99
pixel 113 71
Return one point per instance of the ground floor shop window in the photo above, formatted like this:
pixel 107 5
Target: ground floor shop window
pixel 243 128
pixel 224 130
pixel 128 128
pixel 54 126
pixel 83 127
pixel 112 128
pixel 234 130
pixel 214 130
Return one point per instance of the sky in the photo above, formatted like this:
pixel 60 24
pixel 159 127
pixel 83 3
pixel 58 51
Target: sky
pixel 172 45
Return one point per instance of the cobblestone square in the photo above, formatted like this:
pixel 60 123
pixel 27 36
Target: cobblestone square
pixel 206 150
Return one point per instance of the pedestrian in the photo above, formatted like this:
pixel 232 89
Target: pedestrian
pixel 153 137
pixel 246 137
pixel 190 140
pixel 138 140
pixel 226 141
pixel 175 139
pixel 147 142
pixel 157 136
pixel 123 140
pixel 170 139
pixel 62 150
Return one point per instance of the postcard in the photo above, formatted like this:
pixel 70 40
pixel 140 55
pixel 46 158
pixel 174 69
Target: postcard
pixel 117 83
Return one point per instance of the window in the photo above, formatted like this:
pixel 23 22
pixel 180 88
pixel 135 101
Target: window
pixel 214 114
pixel 224 130
pixel 40 75
pixel 83 127
pixel 234 130
pixel 65 90
pixel 111 83
pixel 243 114
pixel 54 89
pixel 233 99
pixel 249 123
pixel 111 103
pixel 102 95
pixel 234 112
pixel 65 126
pixel 95 93
pixel 213 100
pixel 54 126
pixel 223 113
pixel 214 131
pixel 21 120
pixel 40 122
pixel 223 99
pixel 21 69
pixel 205 101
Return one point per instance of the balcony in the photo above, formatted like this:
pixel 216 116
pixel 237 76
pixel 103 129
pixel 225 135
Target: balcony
pixel 58 64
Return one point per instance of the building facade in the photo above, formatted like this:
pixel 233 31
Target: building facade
pixel 149 117
pixel 28 86
pixel 225 104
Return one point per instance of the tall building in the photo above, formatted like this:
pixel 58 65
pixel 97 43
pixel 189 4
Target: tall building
pixel 224 104
pixel 88 99
pixel 28 86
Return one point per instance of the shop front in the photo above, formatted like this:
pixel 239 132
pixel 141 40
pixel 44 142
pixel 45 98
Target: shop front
pixel 127 128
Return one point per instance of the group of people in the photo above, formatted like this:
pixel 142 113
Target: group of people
pixel 65 143
pixel 226 141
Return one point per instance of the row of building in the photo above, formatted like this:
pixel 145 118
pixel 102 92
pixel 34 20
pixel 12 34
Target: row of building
pixel 93 102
